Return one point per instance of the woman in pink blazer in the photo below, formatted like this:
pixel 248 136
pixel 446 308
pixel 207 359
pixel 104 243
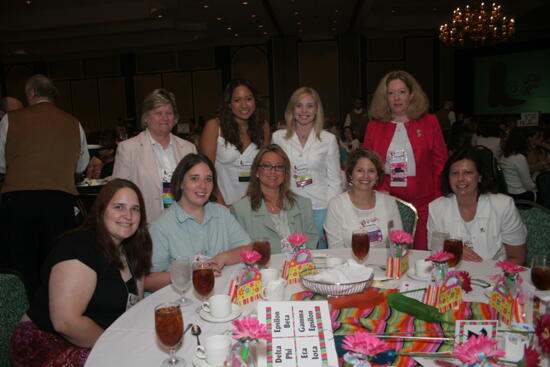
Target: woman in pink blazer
pixel 409 142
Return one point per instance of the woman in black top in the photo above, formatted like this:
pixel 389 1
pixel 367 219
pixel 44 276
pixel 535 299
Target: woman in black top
pixel 90 278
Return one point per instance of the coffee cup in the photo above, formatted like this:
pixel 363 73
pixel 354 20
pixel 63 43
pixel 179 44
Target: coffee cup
pixel 423 268
pixel 334 261
pixel 215 350
pixel 274 290
pixel 218 305
pixel 269 274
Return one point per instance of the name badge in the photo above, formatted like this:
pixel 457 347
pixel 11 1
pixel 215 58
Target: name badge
pixel 132 300
pixel 244 171
pixel 167 198
pixel 398 168
pixel 302 176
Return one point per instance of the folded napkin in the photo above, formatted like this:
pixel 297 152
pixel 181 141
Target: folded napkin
pixel 369 298
pixel 348 272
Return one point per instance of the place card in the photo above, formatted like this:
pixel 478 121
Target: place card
pixel 301 334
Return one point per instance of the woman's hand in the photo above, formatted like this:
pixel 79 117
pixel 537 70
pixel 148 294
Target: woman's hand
pixel 470 255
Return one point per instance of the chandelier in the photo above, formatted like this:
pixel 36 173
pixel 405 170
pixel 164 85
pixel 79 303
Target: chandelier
pixel 477 24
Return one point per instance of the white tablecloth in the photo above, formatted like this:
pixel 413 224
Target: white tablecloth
pixel 131 339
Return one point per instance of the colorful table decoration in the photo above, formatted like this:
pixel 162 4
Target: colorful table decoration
pixel 301 334
pixel 478 351
pixel 364 350
pixel 398 257
pixel 508 296
pixel 248 285
pixel 298 259
pixel 248 332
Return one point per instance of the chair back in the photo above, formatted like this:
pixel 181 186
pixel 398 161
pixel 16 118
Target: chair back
pixel 537 221
pixel 543 187
pixel 409 215
pixel 13 304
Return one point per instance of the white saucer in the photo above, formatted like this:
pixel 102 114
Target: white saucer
pixel 198 362
pixel 412 274
pixel 235 312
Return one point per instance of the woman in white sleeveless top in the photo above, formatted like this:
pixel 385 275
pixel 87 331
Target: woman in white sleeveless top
pixel 232 139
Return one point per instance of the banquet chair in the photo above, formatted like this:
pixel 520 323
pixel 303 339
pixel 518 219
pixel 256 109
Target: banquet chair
pixel 13 304
pixel 537 220
pixel 409 215
pixel 543 188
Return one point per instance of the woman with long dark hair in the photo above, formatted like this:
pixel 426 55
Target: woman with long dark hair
pixel 90 278
pixel 231 140
pixel 515 167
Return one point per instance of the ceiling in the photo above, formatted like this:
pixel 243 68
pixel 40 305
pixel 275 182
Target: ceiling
pixel 50 28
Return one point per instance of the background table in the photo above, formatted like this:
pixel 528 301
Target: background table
pixel 131 339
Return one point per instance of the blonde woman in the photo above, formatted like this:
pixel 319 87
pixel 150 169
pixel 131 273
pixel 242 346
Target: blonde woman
pixel 313 153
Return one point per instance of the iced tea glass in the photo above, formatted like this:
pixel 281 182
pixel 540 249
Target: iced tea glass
pixel 169 328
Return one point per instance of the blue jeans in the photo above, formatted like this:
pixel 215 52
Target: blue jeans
pixel 319 220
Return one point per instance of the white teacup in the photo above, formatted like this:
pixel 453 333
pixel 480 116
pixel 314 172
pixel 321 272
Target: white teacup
pixel 215 350
pixel 514 346
pixel 269 274
pixel 218 305
pixel 423 268
pixel 334 261
pixel 274 290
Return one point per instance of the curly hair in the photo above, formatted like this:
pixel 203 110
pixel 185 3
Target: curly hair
pixel 418 106
pixel 356 155
pixel 138 247
pixel 228 125
pixel 289 111
pixel 254 191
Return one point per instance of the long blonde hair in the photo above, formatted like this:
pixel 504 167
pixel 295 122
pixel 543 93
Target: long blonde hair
pixel 379 107
pixel 289 112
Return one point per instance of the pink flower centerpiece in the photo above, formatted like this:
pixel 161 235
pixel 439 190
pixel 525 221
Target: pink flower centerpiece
pixel 401 238
pixel 248 330
pixel 250 257
pixel 363 346
pixel 463 278
pixel 509 267
pixel 478 351
pixel 297 239
pixel 440 256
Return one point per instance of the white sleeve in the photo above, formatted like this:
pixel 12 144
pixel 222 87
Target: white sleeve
pixel 524 174
pixel 3 136
pixel 513 230
pixel 334 226
pixel 347 121
pixel 334 178
pixel 84 155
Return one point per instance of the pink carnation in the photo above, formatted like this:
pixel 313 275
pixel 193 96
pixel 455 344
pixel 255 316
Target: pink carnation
pixel 364 343
pixel 297 239
pixel 464 278
pixel 248 329
pixel 509 267
pixel 250 257
pixel 477 350
pixel 440 256
pixel 401 237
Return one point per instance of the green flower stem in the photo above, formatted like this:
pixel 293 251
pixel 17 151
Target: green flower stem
pixel 244 353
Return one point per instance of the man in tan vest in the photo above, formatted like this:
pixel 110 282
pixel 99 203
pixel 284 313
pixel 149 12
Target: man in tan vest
pixel 41 147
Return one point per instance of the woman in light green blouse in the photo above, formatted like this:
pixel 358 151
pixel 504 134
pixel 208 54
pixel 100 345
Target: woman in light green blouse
pixel 270 209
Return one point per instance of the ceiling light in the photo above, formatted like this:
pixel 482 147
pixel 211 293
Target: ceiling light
pixel 299 23
pixel 266 33
pixel 20 51
pixel 219 19
pixel 28 2
pixel 229 28
pixel 260 26
pixel 245 3
pixel 393 11
pixel 253 15
pixel 477 24
pixel 236 35
pixel 296 12
pixel 205 6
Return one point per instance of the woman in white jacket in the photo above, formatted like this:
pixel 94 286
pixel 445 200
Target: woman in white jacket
pixel 313 153
pixel 361 207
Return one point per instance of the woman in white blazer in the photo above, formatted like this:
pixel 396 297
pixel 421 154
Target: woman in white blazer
pixel 149 158
pixel 314 154
pixel 360 207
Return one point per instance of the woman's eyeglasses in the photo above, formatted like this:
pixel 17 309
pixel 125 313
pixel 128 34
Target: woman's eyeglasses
pixel 269 167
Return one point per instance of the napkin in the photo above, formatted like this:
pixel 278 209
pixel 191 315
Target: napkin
pixel 369 298
pixel 349 272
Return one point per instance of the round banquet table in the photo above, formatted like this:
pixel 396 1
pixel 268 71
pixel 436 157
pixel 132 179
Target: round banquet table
pixel 131 339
